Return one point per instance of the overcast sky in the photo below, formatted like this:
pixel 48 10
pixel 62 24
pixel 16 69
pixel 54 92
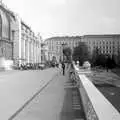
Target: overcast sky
pixel 69 17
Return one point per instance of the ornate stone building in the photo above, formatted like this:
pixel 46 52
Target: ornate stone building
pixel 17 40
pixel 44 52
pixel 27 45
pixel 7 28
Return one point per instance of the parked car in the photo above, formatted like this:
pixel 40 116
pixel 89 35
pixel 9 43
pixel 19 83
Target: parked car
pixel 41 66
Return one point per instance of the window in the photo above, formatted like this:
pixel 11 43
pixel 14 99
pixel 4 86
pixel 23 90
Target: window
pixel 13 35
pixel 0 27
pixel 5 26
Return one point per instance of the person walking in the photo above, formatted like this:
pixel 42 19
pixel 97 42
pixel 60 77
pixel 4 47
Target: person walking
pixel 63 68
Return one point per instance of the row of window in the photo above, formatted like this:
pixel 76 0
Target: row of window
pixel 27 31
pixel 62 42
pixel 36 45
pixel 35 40
pixel 106 46
pixel 71 45
pixel 108 50
pixel 28 35
pixel 103 42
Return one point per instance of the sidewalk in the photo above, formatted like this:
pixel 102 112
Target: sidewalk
pixel 58 101
pixel 18 87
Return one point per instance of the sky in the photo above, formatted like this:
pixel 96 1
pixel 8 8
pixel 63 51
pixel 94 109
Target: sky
pixel 68 17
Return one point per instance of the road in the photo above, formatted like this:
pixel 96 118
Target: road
pixel 17 87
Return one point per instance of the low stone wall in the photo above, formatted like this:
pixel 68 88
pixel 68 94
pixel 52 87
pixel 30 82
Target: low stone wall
pixel 96 106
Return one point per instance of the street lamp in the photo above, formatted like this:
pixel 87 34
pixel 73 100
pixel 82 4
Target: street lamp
pixel 63 44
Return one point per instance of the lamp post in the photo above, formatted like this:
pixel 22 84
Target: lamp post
pixel 62 51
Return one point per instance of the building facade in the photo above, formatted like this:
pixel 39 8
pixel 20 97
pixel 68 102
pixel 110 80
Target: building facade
pixel 44 52
pixel 17 40
pixel 56 44
pixel 7 28
pixel 107 44
pixel 27 45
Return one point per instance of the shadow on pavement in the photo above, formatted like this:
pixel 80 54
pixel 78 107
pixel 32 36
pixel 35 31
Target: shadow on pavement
pixel 72 107
pixel 67 113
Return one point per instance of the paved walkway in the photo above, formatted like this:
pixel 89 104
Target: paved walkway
pixel 58 101
pixel 18 87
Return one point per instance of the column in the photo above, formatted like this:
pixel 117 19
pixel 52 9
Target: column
pixel 36 53
pixel 19 38
pixel 23 51
pixel 28 52
pixel 33 52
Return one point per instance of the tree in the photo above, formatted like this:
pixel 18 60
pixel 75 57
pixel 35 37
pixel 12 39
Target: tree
pixel 81 53
pixel 118 58
pixel 105 60
pixel 101 60
pixel 95 55
pixel 110 63
pixel 67 52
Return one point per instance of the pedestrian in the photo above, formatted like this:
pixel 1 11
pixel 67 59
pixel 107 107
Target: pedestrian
pixel 63 68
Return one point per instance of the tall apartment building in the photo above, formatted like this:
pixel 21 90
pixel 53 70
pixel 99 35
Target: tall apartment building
pixel 107 44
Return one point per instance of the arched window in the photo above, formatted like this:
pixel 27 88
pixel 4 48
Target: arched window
pixel 4 25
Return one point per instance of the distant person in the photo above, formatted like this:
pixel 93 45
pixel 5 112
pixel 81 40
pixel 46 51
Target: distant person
pixel 63 68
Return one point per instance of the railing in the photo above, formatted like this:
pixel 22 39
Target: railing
pixel 96 106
